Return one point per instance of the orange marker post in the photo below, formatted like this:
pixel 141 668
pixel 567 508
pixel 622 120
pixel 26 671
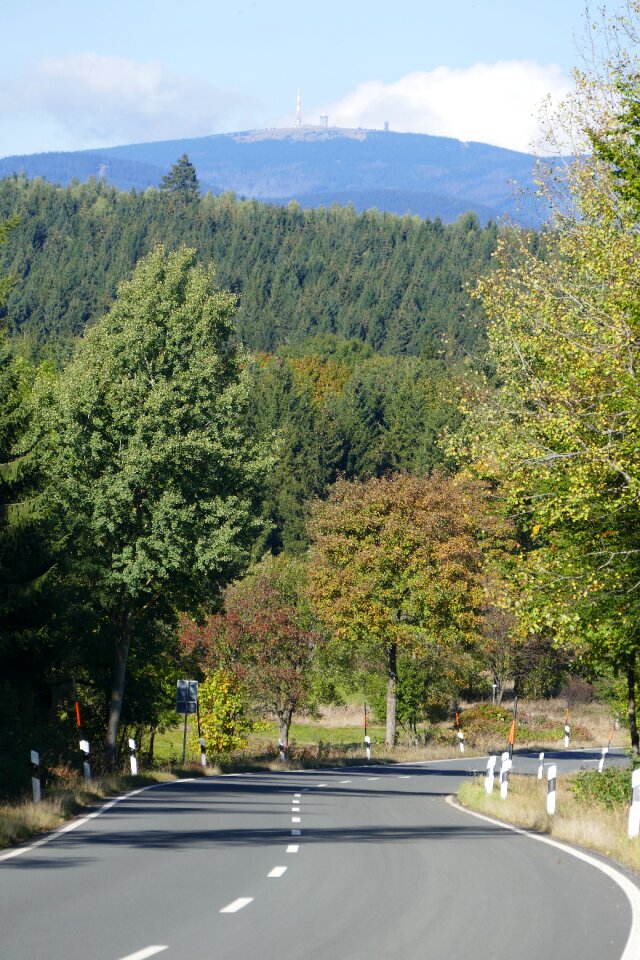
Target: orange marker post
pixel 512 731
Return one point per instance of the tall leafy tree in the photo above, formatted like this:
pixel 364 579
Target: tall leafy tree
pixel 396 568
pixel 562 434
pixel 156 480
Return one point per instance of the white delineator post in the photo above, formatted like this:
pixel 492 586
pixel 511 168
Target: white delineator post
pixel 552 773
pixel 203 751
pixel 605 751
pixel 86 766
pixel 461 740
pixel 35 776
pixel 488 780
pixel 505 767
pixel 367 747
pixel 567 731
pixel 282 750
pixel 541 766
pixel 634 809
pixel 132 757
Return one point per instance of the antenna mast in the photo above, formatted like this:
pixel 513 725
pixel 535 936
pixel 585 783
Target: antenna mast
pixel 298 110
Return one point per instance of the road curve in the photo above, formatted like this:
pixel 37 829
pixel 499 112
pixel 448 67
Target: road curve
pixel 352 864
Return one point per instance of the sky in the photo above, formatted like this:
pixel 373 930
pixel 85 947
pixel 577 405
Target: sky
pixel 75 75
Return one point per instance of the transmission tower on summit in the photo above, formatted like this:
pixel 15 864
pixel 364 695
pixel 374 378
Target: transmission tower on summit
pixel 298 110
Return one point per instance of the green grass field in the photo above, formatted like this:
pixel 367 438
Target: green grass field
pixel 168 745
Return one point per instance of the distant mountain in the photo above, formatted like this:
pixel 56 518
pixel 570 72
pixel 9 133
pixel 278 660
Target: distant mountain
pixel 397 172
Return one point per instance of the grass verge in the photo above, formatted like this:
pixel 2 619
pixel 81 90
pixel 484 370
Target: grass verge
pixel 23 819
pixel 592 826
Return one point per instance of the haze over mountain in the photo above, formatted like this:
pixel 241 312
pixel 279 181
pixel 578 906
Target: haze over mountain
pixel 317 166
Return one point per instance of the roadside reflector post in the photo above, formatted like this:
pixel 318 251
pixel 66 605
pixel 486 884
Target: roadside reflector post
pixel 35 776
pixel 605 751
pixel 461 740
pixel 132 757
pixel 203 751
pixel 552 773
pixel 512 731
pixel 367 746
pixel 488 780
pixel 86 765
pixel 540 766
pixel 505 767
pixel 634 809
pixel 282 750
pixel 567 728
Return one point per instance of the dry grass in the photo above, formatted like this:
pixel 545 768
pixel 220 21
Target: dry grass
pixel 589 826
pixel 24 819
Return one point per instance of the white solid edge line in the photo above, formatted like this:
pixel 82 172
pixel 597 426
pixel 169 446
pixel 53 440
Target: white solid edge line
pixel 143 954
pixel 293 848
pixel 236 905
pixel 67 827
pixel 277 872
pixel 632 949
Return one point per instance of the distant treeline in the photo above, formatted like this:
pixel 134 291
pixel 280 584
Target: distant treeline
pixel 398 284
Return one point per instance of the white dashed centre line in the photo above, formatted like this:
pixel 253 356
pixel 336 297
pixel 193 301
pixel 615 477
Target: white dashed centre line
pixel 345 781
pixel 236 905
pixel 293 848
pixel 147 952
pixel 404 776
pixel 297 796
pixel 295 819
pixel 322 784
pixel 373 778
pixel 295 809
pixel 277 872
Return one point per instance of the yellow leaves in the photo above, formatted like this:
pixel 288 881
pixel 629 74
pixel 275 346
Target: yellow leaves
pixel 535 530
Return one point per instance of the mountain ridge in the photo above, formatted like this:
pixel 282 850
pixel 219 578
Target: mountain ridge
pixel 434 176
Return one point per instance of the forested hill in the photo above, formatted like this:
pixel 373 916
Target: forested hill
pixel 398 284
pixel 397 172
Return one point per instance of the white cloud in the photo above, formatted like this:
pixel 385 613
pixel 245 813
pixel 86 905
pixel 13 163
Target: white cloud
pixel 495 103
pixel 96 100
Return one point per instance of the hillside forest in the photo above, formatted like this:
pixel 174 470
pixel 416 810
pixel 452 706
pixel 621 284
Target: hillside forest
pixel 307 455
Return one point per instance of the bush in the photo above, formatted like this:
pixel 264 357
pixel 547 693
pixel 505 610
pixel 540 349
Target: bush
pixel 485 720
pixel 611 788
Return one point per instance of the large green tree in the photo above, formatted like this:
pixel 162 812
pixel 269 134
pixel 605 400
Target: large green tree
pixel 562 432
pixel 396 568
pixel 156 481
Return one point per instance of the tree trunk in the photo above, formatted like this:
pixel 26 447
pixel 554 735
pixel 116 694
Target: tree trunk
pixel 392 694
pixel 117 688
pixel 284 722
pixel 152 740
pixel 631 704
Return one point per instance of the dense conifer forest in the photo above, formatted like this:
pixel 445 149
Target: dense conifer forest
pixel 398 284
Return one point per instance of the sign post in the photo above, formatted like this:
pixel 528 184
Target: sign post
pixel 186 703
pixel 86 765
pixel 512 732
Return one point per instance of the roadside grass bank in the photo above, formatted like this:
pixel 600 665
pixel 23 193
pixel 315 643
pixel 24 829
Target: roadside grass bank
pixel 23 819
pixel 589 813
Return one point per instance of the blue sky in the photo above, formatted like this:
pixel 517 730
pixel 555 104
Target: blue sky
pixel 76 75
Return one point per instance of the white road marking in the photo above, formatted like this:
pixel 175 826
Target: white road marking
pixel 293 848
pixel 405 776
pixel 632 949
pixel 373 778
pixel 295 819
pixel 236 905
pixel 295 809
pixel 72 826
pixel 296 833
pixel 345 781
pixel 322 784
pixel 297 796
pixel 277 872
pixel 143 954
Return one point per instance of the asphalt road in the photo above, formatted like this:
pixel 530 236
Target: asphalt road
pixel 382 868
